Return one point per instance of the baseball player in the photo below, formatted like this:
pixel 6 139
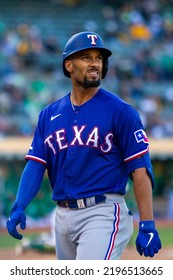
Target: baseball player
pixel 90 142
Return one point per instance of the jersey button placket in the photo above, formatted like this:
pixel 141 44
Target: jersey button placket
pixel 76 113
pixel 71 154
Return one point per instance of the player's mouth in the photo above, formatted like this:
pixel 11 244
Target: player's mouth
pixel 93 73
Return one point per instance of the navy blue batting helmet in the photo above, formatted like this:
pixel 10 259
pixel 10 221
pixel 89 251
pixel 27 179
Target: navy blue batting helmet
pixel 83 41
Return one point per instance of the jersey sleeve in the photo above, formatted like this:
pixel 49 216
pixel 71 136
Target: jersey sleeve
pixel 37 149
pixel 132 138
pixel 133 142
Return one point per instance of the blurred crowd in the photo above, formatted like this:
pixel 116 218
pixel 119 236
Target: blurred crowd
pixel 140 35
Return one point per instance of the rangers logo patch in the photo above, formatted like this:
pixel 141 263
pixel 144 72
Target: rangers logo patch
pixel 141 136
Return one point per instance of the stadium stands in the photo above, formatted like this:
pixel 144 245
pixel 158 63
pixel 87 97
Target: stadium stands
pixel 141 68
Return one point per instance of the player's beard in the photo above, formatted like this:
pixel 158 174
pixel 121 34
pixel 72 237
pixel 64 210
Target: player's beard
pixel 90 83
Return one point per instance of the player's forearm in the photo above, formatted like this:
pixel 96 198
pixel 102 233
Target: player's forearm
pixel 143 193
pixel 30 183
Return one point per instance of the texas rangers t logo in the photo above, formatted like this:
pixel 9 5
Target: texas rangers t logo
pixel 93 38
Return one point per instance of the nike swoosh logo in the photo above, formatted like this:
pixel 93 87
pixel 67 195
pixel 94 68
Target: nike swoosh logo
pixel 54 117
pixel 151 237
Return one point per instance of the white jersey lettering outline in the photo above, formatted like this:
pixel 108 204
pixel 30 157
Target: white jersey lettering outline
pixel 92 140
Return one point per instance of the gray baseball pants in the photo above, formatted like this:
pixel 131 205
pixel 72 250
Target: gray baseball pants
pixel 99 232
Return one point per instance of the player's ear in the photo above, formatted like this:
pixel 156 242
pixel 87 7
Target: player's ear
pixel 68 66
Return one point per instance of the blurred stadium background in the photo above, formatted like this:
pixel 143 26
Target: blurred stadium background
pixel 32 37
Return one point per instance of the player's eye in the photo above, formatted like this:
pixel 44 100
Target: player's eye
pixel 100 58
pixel 90 58
pixel 85 57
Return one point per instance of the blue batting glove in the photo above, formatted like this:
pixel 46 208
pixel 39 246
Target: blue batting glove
pixel 148 241
pixel 17 216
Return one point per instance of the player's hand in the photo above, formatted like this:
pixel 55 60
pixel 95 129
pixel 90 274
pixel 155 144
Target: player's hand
pixel 148 241
pixel 17 217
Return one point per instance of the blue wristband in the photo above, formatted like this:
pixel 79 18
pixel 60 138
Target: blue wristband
pixel 147 225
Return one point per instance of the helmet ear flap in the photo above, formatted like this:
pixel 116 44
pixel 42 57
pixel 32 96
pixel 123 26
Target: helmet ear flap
pixel 105 67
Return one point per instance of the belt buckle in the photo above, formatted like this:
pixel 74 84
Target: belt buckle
pixel 66 204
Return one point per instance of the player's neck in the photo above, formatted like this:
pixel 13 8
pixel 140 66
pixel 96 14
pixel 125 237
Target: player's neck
pixel 80 97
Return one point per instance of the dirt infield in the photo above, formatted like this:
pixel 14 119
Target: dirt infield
pixel 129 254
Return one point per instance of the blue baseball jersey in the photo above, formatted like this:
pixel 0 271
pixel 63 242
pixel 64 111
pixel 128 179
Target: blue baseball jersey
pixel 89 149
